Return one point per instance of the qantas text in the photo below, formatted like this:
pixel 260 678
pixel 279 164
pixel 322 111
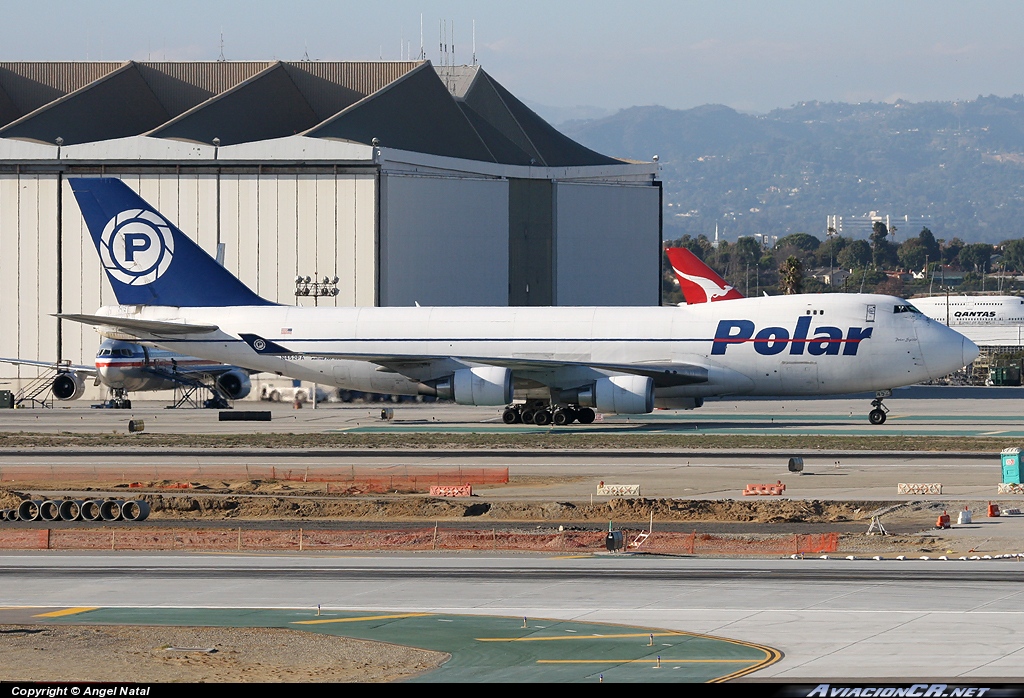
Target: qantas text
pixel 826 341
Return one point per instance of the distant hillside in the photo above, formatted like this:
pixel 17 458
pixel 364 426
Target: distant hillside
pixel 959 166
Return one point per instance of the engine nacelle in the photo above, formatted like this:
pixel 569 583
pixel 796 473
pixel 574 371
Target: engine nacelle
pixel 68 386
pixel 482 385
pixel 235 384
pixel 620 395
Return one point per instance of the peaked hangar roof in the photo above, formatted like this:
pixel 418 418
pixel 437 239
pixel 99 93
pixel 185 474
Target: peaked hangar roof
pixel 453 111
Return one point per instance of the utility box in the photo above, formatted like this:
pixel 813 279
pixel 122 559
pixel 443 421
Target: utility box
pixel 613 541
pixel 1004 375
pixel 6 400
pixel 1011 465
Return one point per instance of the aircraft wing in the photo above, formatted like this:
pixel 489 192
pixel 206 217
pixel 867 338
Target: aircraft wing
pixel 664 374
pixel 86 370
pixel 142 329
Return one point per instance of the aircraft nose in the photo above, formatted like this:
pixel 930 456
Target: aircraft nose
pixel 945 350
pixel 111 374
pixel 970 351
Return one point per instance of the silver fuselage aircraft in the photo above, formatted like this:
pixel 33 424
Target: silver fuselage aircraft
pixel 126 367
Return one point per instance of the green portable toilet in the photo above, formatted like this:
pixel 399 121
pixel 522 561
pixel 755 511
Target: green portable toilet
pixel 1011 465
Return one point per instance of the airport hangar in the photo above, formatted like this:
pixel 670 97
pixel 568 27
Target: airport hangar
pixel 410 183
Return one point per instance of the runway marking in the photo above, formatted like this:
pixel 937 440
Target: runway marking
pixel 360 618
pixel 992 433
pixel 66 612
pixel 577 637
pixel 646 661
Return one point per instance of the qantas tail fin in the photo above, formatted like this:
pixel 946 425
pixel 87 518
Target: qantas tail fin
pixel 148 260
pixel 698 282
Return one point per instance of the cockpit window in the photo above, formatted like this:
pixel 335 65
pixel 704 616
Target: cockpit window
pixel 905 309
pixel 104 352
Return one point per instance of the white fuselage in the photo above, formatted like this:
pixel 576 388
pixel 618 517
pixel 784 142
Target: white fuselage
pixel 781 345
pixel 986 320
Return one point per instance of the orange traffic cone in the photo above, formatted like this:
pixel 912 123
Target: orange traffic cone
pixel 942 521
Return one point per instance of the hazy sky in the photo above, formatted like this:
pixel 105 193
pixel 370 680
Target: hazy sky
pixel 752 56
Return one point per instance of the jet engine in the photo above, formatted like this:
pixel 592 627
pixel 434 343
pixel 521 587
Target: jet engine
pixel 481 385
pixel 68 386
pixel 619 395
pixel 235 384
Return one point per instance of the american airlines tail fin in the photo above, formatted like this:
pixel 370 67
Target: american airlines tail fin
pixel 698 282
pixel 148 260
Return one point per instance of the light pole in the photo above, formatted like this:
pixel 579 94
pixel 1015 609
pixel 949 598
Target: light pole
pixel 309 286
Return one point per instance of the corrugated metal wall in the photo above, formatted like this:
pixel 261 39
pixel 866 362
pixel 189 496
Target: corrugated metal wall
pixel 446 241
pixel 607 244
pixel 274 227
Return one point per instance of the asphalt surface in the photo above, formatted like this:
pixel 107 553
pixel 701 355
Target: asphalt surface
pixel 829 619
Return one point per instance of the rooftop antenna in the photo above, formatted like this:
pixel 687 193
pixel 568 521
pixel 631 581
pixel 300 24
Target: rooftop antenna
pixel 221 58
pixel 453 42
pixel 305 53
pixel 423 54
pixel 474 42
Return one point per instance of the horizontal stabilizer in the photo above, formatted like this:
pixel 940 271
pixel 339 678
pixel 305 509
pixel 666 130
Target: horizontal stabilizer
pixel 139 328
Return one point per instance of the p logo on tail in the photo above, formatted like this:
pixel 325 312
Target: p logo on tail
pixel 147 259
pixel 136 246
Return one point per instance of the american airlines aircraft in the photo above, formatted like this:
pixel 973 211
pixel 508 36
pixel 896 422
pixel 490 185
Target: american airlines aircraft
pixel 566 362
pixel 124 367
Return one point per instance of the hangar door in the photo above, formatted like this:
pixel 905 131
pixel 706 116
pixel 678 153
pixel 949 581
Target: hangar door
pixel 607 244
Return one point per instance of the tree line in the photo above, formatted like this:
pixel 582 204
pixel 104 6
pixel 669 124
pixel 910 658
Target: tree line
pixel 799 263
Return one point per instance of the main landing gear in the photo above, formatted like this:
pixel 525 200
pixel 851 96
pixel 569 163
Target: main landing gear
pixel 877 415
pixel 541 413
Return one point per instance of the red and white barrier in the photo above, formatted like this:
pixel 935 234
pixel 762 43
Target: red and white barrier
pixel 451 491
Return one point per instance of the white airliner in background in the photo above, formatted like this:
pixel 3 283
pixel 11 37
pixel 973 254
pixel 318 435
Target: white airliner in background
pixel 124 367
pixel 989 321
pixel 565 361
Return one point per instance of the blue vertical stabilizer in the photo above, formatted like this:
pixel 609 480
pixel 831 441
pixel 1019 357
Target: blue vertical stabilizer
pixel 148 260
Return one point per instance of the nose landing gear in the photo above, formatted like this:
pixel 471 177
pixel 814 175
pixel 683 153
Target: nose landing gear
pixel 877 415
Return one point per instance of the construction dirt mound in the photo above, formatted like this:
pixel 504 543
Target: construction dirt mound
pixel 416 507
